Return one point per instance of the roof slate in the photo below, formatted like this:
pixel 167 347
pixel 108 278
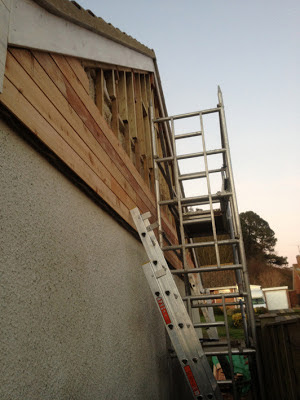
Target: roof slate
pixel 73 12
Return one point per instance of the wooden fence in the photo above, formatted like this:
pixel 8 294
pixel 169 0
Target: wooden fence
pixel 279 344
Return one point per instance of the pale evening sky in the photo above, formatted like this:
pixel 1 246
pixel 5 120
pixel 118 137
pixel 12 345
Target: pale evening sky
pixel 252 50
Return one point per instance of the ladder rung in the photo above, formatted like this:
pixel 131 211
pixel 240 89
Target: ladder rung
pixel 190 155
pixel 201 244
pixel 199 174
pixel 200 154
pixel 209 324
pixel 222 344
pixel 164 159
pixel 225 382
pixel 204 305
pixel 194 175
pixel 192 114
pixel 188 135
pixel 233 351
pixel 215 296
pixel 206 269
pixel 189 201
pixel 196 221
pixel 196 213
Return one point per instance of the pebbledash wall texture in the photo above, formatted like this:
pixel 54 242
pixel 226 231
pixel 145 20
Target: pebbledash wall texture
pixel 78 319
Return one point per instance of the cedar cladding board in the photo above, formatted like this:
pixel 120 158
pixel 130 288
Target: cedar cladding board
pixel 51 94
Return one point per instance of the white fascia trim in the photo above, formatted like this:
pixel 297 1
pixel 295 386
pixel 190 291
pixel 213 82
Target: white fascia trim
pixel 33 27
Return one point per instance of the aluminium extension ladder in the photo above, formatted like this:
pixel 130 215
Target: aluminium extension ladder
pixel 193 224
pixel 178 323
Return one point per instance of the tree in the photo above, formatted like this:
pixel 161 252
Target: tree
pixel 259 239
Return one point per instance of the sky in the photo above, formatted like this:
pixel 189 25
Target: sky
pixel 252 50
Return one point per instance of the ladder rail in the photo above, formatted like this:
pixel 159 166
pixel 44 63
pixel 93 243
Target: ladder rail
pixel 156 177
pixel 235 393
pixel 213 223
pixel 178 195
pixel 249 306
pixel 235 212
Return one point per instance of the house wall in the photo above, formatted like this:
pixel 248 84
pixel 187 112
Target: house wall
pixel 78 319
pixel 296 275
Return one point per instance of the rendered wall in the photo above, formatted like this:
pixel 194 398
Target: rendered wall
pixel 78 319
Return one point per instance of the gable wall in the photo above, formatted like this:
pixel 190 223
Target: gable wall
pixel 48 93
pixel 78 318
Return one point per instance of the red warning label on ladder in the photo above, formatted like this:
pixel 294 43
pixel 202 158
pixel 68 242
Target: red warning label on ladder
pixel 163 310
pixel 192 381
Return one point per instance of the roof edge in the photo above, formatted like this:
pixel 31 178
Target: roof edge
pixel 73 12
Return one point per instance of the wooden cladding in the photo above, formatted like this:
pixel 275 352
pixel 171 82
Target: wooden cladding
pixel 123 98
pixel 96 137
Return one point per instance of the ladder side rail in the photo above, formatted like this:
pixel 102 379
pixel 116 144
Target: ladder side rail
pixel 230 220
pixel 207 312
pixel 250 310
pixel 238 274
pixel 167 134
pixel 249 306
pixel 177 254
pixel 156 175
pixel 213 223
pixel 166 173
pixel 167 176
pixel 235 393
pixel 178 195
pixel 162 106
pixel 173 210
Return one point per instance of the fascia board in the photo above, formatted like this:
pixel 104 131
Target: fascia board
pixel 31 26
